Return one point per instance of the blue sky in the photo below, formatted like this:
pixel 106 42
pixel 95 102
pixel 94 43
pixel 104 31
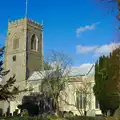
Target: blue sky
pixel 78 28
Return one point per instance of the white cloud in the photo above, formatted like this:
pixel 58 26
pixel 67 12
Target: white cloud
pixel 82 69
pixel 87 27
pixel 106 49
pixel 85 49
pixel 97 50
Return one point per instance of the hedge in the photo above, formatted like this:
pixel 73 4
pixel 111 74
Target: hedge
pixel 22 118
pixel 92 118
pixel 55 118
pixel 85 118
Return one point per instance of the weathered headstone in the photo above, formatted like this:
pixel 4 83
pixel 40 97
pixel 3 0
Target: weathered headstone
pixel 91 113
pixel 108 113
pixel 117 112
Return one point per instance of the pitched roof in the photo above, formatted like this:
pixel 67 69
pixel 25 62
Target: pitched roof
pixel 39 75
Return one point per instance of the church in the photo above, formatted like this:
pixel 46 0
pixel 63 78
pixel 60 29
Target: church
pixel 24 57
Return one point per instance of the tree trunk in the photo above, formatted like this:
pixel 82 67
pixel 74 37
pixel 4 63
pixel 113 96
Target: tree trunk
pixel 57 109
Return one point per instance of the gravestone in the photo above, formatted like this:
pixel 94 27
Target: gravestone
pixel 108 113
pixel 91 113
pixel 117 112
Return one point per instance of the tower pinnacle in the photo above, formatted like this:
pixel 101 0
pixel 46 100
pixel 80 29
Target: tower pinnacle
pixel 26 9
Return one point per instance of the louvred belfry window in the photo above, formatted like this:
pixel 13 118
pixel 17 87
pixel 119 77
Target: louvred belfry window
pixel 34 43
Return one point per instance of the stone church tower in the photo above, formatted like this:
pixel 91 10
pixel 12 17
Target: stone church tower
pixel 24 48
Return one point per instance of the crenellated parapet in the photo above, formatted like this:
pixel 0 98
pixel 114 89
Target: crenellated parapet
pixel 16 23
pixel 30 21
pixel 32 24
pixel 27 21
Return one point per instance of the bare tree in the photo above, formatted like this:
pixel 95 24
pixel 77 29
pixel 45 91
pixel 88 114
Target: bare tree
pixel 111 6
pixel 56 76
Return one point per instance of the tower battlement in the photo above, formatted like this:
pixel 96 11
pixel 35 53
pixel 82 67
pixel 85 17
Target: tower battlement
pixel 23 21
pixel 30 21
pixel 16 22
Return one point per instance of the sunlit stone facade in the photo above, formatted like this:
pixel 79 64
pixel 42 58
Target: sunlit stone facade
pixel 23 56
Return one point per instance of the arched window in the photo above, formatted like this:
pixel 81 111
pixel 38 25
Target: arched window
pixel 34 42
pixel 80 100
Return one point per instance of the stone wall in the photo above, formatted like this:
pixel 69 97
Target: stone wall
pixel 35 58
pixel 16 30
